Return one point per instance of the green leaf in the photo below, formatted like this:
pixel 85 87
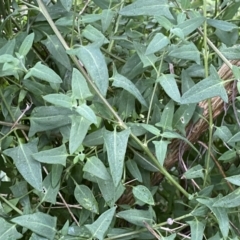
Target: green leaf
pixel 222 25
pixel 197 229
pixel 149 8
pixel 95 167
pixel 80 88
pixel 43 73
pixel 26 45
pixel 167 116
pixel 94 35
pixel 8 48
pixel 109 192
pixel 207 88
pixel 163 21
pixel 87 113
pixel 134 170
pixel 57 50
pixel 231 53
pixel 136 217
pixel 234 179
pixel 194 172
pixel 122 82
pixel 79 129
pixel 220 213
pixel 230 200
pixel 150 128
pixel 161 150
pixel 168 83
pixel 234 138
pixel 94 62
pixel 85 197
pixel 8 231
pixel 190 25
pixel 60 100
pixel 116 144
pixel 106 19
pixel 29 168
pixel 49 193
pixel 48 118
pixel 56 175
pixel 100 226
pixel 147 60
pixel 56 155
pixel 187 51
pixel 142 194
pixel 67 4
pixel 223 133
pixel 157 43
pixel 94 138
pixel 40 223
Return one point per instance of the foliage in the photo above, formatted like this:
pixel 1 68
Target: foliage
pixel 93 93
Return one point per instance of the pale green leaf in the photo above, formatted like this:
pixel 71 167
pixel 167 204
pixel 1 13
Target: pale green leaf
pixel 26 45
pixel 106 18
pixel 56 175
pixel 85 197
pixel 80 88
pixel 87 113
pixel 43 73
pixel 100 226
pixel 136 217
pixel 134 170
pixel 161 150
pixel 116 144
pixel 168 83
pixel 234 138
pixel 29 168
pixel 167 116
pixel 151 129
pixel 157 43
pixel 93 60
pixel 149 8
pixel 231 53
pixel 8 231
pixel 187 51
pixel 190 25
pixel 143 194
pixel 222 25
pixel 56 155
pixel 197 229
pixel 60 100
pixel 94 35
pixel 122 82
pixel 79 129
pixel 234 179
pixel 194 172
pixel 67 4
pixel 95 167
pixel 40 223
pixel 207 88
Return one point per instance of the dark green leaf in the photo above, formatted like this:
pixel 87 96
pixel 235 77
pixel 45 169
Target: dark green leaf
pixel 106 18
pixel 85 197
pixel 29 168
pixel 40 223
pixel 134 170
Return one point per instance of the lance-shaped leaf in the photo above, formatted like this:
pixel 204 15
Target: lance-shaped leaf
pixel 57 99
pixel 150 8
pixel 116 144
pixel 87 112
pixel 80 88
pixel 44 73
pixel 93 60
pixel 78 132
pixel 8 230
pixel 86 198
pixel 29 168
pixel 168 83
pixel 100 226
pixel 122 82
pixel 40 223
pixel 26 45
pixel 52 156
pixel 143 194
pixel 197 229
pixel 161 150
